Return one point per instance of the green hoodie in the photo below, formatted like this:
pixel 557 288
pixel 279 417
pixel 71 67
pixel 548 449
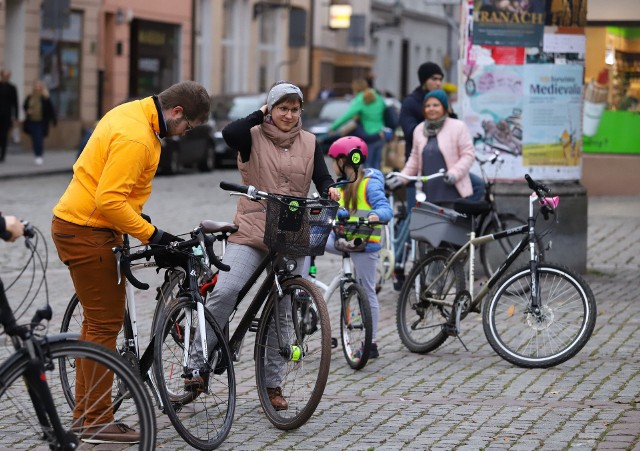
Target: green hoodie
pixel 370 114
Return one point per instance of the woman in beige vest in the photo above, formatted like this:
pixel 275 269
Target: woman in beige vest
pixel 275 155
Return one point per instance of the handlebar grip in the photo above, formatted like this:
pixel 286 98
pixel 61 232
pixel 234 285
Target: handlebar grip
pixel 537 187
pixel 228 186
pixel 126 269
pixel 213 258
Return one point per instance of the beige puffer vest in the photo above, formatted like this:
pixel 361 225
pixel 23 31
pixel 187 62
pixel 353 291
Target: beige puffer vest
pixel 275 170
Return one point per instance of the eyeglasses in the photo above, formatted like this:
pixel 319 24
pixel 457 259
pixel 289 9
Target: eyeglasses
pixel 284 111
pixel 189 126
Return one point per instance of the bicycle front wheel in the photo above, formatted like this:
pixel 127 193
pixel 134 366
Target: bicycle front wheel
pixel 426 305
pixel 127 396
pixel 295 363
pixel 356 328
pixel 201 412
pixel 544 338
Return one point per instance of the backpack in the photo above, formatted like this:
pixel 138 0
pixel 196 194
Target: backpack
pixel 390 117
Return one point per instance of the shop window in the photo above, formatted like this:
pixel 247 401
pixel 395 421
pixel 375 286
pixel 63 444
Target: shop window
pixel 154 57
pixel 60 60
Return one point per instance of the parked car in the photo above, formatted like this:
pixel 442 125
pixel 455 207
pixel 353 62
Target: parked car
pixel 319 115
pixel 195 149
pixel 226 108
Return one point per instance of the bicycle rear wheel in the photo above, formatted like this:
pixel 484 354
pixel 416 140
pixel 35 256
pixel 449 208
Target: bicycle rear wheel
pixel 203 415
pixel 425 307
pixel 356 328
pixel 494 253
pixel 134 407
pixel 301 366
pixel 545 339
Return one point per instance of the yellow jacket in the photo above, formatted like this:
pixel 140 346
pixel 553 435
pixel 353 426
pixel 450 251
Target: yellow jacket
pixel 112 177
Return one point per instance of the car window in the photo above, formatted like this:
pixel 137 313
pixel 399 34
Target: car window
pixel 243 106
pixel 333 109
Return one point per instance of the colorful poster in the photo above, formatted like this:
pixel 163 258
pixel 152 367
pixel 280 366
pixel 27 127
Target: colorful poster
pixel 553 121
pixel 516 23
pixel 530 114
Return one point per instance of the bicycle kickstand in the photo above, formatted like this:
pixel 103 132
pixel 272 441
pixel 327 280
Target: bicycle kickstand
pixel 460 305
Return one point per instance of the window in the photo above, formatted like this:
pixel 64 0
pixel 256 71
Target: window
pixel 60 60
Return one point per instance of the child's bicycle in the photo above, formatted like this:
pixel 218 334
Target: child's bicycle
pixel 355 314
pixel 30 382
pixel 538 316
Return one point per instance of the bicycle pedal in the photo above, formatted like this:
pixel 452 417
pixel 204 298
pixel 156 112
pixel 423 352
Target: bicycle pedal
pixel 450 330
pixel 334 342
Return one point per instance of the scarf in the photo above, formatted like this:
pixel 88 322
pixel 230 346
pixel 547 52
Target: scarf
pixel 283 140
pixel 431 128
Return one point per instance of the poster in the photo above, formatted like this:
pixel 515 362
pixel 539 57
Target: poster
pixel 518 23
pixel 530 114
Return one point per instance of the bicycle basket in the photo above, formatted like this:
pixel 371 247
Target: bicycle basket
pixel 435 224
pixel 298 226
pixel 352 236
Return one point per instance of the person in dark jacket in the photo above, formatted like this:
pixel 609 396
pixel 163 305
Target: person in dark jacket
pixel 8 109
pixel 39 114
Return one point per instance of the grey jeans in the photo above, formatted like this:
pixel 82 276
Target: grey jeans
pixel 243 261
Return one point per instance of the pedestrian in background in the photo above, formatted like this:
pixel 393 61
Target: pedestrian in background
pixel 8 110
pixel 39 114
pixel 110 185
pixel 367 108
pixel 441 142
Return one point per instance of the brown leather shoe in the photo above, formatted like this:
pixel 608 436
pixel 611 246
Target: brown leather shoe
pixel 277 400
pixel 110 433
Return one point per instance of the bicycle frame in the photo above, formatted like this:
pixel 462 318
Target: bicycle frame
pixel 460 255
pixel 344 275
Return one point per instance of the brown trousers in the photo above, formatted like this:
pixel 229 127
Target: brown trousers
pixel 92 264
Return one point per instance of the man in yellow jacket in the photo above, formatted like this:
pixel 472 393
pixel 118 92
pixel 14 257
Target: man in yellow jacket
pixel 111 182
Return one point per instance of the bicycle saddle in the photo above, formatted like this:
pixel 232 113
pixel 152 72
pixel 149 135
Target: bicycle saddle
pixel 209 226
pixel 472 207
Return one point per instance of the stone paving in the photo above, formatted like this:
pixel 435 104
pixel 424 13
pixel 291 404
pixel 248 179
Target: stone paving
pixel 448 399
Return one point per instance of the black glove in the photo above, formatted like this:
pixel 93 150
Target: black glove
pixel 162 238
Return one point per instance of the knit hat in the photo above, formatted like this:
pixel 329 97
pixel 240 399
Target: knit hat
pixel 279 90
pixel 426 70
pixel 440 95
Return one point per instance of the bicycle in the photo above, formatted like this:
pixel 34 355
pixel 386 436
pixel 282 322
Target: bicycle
pixel 203 419
pixel 356 327
pixel 300 339
pixel 397 249
pixel 538 316
pixel 36 358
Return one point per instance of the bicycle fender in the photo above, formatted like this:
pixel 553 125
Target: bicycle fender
pixel 22 353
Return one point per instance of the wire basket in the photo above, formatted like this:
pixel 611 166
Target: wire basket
pixel 352 236
pixel 297 226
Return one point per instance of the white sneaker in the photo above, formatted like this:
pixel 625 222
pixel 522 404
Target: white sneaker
pixel 39 161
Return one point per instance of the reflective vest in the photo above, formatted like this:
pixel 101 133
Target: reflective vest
pixel 362 211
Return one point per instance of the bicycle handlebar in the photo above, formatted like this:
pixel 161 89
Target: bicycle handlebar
pixel 199 238
pixel 415 178
pixel 547 205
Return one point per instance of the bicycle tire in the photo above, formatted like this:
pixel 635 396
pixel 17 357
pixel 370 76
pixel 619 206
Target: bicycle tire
pixel 356 327
pixel 203 418
pixel 569 317
pixel 494 253
pixel 307 327
pixel 72 322
pixel 421 315
pixel 134 405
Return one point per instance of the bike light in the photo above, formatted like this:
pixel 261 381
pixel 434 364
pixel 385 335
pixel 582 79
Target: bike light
pixel 291 265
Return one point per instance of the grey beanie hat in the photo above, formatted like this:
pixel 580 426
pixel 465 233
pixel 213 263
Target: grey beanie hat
pixel 279 90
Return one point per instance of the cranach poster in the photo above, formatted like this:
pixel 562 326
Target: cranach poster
pixel 518 23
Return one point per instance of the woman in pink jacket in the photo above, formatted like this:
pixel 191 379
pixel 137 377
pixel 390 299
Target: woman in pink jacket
pixel 441 142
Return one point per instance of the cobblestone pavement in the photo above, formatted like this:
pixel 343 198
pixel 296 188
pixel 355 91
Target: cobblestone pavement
pixel 448 399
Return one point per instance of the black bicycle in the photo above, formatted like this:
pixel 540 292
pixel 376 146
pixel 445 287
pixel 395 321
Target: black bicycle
pixel 202 418
pixel 30 377
pixel 287 313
